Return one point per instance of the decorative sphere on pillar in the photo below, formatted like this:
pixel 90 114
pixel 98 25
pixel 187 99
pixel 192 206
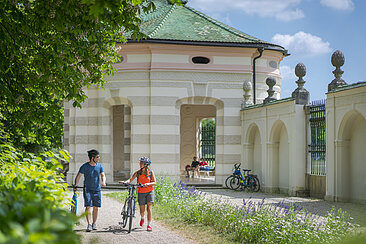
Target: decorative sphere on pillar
pixel 300 70
pixel 247 86
pixel 337 59
pixel 271 81
pixel 301 95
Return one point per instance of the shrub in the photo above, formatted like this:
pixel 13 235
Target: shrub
pixel 31 198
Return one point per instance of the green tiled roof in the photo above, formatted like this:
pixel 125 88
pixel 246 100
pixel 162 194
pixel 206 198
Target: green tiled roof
pixel 171 23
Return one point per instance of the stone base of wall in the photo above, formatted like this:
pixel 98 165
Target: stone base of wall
pixel 317 186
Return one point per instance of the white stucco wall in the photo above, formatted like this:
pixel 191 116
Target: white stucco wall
pixel 282 130
pixel 346 140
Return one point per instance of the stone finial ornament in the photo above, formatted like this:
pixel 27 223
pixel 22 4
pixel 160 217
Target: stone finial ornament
pixel 271 82
pixel 301 95
pixel 247 86
pixel 337 61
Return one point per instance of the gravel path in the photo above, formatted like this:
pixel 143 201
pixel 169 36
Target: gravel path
pixel 110 231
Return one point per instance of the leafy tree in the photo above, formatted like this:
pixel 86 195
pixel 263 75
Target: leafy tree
pixel 49 51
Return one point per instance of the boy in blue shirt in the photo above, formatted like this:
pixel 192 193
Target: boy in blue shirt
pixel 92 196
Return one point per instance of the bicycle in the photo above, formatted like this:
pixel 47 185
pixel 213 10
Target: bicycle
pixel 235 173
pixel 248 181
pixel 129 208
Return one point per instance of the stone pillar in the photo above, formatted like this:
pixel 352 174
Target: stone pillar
pixel 271 82
pixel 337 61
pixel 301 95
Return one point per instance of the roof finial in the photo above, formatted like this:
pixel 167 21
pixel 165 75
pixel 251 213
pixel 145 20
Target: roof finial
pixel 301 95
pixel 337 61
pixel 271 82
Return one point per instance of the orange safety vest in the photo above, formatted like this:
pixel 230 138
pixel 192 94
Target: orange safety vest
pixel 143 179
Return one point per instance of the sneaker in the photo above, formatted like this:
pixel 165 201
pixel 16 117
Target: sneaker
pixel 149 228
pixel 89 228
pixel 142 222
pixel 94 226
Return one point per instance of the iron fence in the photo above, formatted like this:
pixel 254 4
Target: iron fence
pixel 318 140
pixel 207 144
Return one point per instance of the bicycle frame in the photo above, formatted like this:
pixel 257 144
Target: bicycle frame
pixel 129 207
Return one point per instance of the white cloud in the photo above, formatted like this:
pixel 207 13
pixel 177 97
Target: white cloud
pixel 287 72
pixel 284 10
pixel 302 43
pixel 338 4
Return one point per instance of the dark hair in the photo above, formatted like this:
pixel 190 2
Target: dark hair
pixel 92 153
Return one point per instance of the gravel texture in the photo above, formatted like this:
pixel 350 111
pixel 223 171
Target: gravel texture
pixel 110 231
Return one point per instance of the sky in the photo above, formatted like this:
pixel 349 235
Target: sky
pixel 311 30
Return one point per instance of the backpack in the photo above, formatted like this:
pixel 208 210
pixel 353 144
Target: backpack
pixel 138 174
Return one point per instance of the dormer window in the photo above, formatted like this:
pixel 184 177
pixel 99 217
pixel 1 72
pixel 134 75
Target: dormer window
pixel 200 60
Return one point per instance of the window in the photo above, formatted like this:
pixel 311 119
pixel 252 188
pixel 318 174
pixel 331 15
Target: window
pixel 200 60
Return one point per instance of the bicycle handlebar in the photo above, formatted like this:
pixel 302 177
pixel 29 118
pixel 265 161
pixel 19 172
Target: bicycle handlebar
pixel 135 185
pixel 237 165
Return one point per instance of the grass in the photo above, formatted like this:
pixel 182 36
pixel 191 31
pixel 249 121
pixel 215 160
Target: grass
pixel 208 220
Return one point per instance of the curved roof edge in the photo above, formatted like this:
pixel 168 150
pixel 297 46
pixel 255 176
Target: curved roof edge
pixel 266 46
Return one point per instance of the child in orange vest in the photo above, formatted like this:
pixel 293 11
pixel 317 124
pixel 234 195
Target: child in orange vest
pixel 146 177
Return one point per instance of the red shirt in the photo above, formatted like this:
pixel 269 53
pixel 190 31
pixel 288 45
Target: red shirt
pixel 143 179
pixel 203 163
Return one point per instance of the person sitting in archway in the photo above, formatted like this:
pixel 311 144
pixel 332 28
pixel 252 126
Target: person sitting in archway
pixel 194 167
pixel 204 166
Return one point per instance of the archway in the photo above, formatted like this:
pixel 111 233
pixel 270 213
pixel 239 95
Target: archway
pixel 279 157
pixel 120 113
pixel 351 156
pixel 191 117
pixel 254 151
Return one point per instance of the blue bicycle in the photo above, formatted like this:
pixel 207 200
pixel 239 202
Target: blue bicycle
pixel 244 181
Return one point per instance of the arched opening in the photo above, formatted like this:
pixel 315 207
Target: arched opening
pixel 121 145
pixel 197 134
pixel 280 158
pixel 255 151
pixel 352 154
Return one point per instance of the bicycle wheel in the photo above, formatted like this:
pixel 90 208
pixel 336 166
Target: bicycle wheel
pixel 235 183
pixel 130 211
pixel 255 184
pixel 124 213
pixel 227 181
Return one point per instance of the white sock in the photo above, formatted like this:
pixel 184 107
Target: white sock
pixel 149 223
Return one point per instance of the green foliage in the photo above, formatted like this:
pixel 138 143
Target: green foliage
pixel 253 222
pixel 31 199
pixel 50 51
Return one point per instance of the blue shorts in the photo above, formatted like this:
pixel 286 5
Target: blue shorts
pixel 92 198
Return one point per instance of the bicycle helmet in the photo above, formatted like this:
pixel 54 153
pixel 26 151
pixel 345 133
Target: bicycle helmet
pixel 145 160
pixel 92 153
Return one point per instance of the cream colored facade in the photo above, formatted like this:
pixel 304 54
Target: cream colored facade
pixel 346 144
pixel 274 145
pixel 152 105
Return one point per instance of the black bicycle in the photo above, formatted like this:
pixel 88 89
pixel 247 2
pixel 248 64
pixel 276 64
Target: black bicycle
pixel 129 208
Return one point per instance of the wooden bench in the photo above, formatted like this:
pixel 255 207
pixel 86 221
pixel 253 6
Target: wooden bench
pixel 208 172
